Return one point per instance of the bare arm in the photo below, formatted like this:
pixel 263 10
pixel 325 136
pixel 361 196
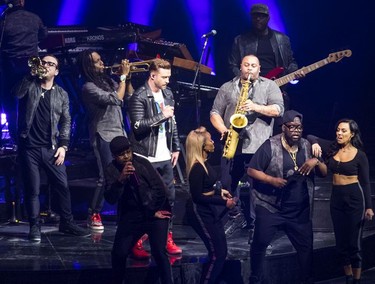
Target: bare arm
pixel 218 122
pixel 263 177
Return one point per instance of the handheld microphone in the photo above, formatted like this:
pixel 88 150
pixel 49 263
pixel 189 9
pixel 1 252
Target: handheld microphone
pixel 211 33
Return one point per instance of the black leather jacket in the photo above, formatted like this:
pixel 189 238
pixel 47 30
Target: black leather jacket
pixel 28 94
pixel 247 44
pixel 145 120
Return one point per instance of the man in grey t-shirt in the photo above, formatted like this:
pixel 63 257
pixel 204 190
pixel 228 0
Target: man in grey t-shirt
pixel 264 102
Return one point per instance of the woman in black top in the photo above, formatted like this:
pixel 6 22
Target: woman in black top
pixel 202 212
pixel 351 193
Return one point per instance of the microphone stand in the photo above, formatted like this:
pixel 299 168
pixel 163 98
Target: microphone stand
pixel 197 91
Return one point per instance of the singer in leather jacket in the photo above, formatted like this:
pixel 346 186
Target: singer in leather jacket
pixel 145 120
pixel 154 130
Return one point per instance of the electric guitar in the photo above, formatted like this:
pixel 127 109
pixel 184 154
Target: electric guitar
pixel 332 57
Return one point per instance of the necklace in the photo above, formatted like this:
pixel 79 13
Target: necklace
pixel 292 150
pixel 294 159
pixel 44 91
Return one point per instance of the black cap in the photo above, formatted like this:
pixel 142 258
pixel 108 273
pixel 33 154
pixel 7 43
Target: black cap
pixel 119 144
pixel 259 9
pixel 289 116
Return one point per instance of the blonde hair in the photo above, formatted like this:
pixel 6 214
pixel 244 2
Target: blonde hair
pixel 194 148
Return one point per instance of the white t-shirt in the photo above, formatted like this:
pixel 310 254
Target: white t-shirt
pixel 162 151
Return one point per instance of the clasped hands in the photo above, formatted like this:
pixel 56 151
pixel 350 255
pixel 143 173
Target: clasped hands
pixel 231 202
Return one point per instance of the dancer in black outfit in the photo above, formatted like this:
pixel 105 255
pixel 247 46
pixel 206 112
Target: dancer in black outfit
pixel 142 205
pixel 351 193
pixel 203 214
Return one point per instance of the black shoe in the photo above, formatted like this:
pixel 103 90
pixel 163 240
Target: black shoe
pixel 235 223
pixel 34 234
pixel 72 228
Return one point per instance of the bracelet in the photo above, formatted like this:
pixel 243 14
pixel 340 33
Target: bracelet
pixel 65 148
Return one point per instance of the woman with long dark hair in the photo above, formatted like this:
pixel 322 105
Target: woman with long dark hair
pixel 351 193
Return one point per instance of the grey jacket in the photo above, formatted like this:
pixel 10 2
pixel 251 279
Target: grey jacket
pixel 28 93
pixel 105 112
pixel 145 120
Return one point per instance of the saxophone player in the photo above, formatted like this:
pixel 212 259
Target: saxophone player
pixel 262 103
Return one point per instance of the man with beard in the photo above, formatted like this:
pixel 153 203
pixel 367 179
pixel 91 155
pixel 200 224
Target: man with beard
pixel 103 99
pixel 43 134
pixel 283 173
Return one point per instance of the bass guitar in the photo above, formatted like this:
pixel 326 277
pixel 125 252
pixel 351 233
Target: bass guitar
pixel 332 57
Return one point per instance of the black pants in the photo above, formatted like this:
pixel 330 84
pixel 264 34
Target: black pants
pixel 104 157
pixel 32 160
pixel 347 211
pixel 165 170
pixel 211 231
pixel 129 231
pixel 299 233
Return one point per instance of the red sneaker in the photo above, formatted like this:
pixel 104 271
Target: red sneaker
pixel 138 250
pixel 171 247
pixel 95 222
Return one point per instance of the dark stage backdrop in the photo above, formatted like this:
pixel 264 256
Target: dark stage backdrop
pixel 316 28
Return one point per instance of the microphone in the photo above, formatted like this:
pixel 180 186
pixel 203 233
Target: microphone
pixel 211 33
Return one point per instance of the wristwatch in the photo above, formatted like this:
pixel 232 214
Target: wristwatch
pixel 123 78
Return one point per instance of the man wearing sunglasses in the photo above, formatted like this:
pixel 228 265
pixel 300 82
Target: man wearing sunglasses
pixel 283 171
pixel 43 139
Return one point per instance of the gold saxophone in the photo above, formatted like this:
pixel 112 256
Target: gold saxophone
pixel 237 121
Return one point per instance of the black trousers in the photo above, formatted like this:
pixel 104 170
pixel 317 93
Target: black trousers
pixel 347 212
pixel 299 233
pixel 130 229
pixel 104 157
pixel 32 161
pixel 165 170
pixel 211 231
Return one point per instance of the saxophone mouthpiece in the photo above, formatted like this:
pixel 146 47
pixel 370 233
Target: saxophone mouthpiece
pixel 250 78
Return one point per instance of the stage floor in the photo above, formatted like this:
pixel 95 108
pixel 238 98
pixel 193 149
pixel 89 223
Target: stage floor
pixel 73 259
